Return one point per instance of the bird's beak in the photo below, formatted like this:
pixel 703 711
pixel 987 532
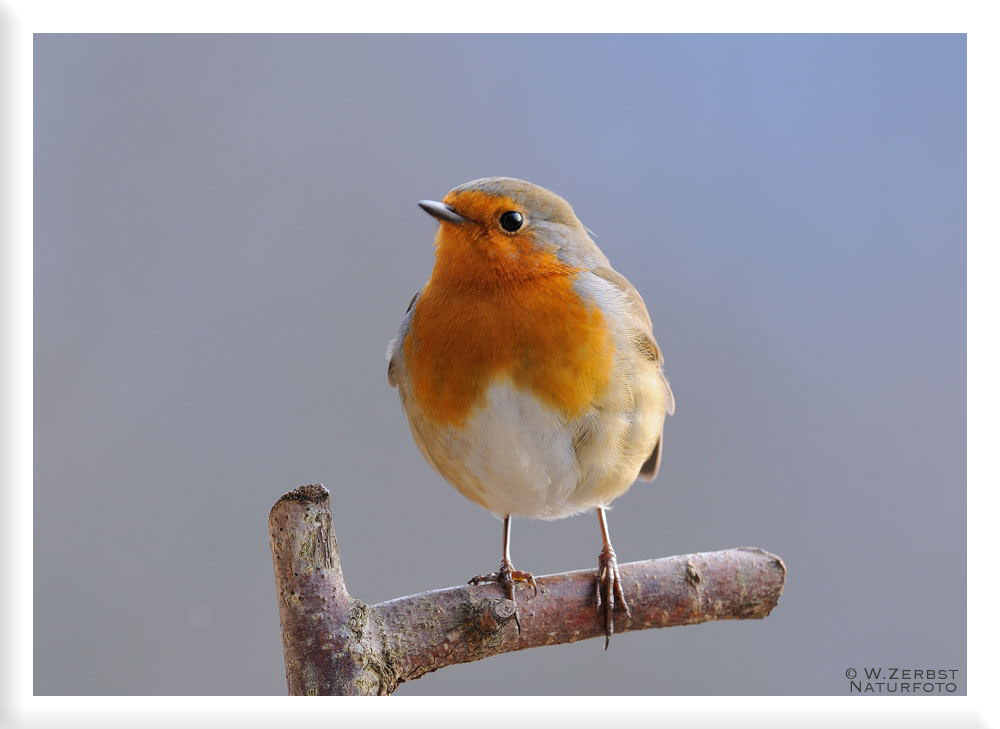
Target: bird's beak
pixel 442 211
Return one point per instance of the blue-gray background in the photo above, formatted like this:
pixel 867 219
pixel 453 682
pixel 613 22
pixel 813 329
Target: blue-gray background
pixel 226 238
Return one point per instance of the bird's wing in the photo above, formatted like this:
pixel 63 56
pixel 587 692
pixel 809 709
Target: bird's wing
pixel 641 330
pixel 395 349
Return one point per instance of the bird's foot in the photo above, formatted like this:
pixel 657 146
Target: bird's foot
pixel 507 577
pixel 609 591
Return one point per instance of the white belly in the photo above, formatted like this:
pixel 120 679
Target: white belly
pixel 520 456
pixel 515 456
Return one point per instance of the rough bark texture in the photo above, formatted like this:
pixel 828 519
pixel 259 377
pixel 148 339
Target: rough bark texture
pixel 336 645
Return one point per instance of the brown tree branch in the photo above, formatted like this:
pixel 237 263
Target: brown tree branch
pixel 337 645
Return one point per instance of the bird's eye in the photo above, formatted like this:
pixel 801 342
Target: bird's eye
pixel 511 221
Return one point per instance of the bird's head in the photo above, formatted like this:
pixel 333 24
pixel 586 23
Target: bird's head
pixel 500 229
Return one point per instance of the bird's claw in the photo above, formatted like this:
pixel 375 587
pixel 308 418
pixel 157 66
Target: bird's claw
pixel 508 577
pixel 609 592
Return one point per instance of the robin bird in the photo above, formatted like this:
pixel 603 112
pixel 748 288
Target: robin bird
pixel 528 369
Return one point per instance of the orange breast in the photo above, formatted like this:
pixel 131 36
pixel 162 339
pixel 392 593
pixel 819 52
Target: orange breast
pixel 538 332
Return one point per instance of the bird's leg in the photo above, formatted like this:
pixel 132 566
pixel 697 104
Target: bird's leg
pixel 609 582
pixel 507 576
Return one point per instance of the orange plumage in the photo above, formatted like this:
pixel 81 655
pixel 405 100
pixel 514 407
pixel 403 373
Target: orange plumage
pixel 481 317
